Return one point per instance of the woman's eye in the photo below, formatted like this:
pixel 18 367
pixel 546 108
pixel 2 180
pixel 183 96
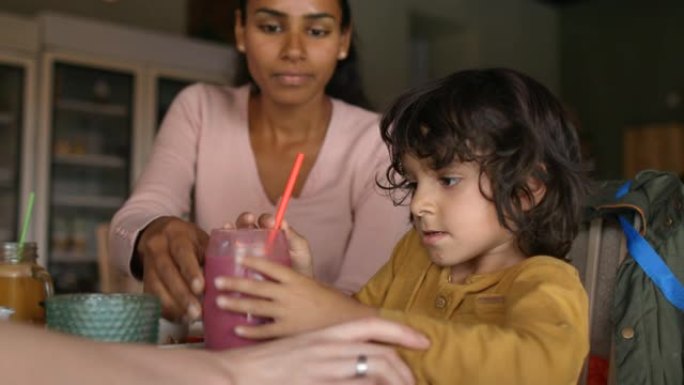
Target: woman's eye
pixel 270 28
pixel 449 181
pixel 318 32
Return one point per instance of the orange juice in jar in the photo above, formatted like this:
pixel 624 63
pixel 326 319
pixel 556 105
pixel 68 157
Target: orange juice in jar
pixel 24 285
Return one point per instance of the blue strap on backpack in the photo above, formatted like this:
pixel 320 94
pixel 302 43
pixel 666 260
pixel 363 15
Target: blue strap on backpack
pixel 649 260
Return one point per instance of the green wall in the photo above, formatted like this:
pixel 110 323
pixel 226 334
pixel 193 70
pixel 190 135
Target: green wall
pixel 521 34
pixel 620 59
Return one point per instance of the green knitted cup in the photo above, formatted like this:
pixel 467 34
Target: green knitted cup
pixel 105 317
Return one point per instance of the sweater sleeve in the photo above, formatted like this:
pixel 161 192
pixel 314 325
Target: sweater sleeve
pixel 165 185
pixel 378 222
pixel 542 340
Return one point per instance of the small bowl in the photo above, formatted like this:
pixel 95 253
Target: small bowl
pixel 105 317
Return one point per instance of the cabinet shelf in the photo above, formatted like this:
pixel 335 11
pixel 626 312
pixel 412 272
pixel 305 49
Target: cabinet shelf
pixel 93 108
pixel 88 201
pixel 5 234
pixel 90 160
pixel 6 117
pixel 71 257
pixel 6 177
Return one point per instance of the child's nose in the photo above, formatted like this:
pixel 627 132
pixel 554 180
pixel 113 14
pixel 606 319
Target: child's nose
pixel 420 203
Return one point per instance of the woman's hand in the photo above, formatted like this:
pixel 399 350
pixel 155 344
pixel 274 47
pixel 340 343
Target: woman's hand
pixel 298 246
pixel 171 250
pixel 328 356
pixel 295 302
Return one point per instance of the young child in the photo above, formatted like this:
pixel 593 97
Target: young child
pixel 491 166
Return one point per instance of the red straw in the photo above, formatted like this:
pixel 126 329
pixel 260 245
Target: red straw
pixel 289 187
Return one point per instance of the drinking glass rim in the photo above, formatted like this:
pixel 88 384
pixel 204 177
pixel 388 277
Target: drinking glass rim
pixel 101 296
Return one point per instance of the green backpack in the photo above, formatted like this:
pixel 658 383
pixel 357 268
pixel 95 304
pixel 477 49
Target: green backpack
pixel 648 330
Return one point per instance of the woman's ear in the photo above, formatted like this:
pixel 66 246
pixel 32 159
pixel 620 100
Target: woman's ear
pixel 239 32
pixel 345 43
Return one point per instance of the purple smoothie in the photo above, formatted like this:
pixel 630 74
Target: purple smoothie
pixel 219 260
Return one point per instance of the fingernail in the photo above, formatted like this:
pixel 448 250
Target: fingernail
pixel 197 285
pixel 426 341
pixel 194 311
pixel 220 283
pixel 222 301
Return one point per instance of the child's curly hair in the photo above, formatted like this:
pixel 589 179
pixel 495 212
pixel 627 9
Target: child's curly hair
pixel 516 130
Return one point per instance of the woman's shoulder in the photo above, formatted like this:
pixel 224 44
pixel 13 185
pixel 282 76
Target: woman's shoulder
pixel 356 129
pixel 354 117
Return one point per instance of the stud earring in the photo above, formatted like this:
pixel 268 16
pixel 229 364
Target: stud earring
pixel 342 55
pixel 241 48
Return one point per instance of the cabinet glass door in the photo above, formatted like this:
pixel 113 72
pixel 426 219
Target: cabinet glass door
pixel 11 121
pixel 90 167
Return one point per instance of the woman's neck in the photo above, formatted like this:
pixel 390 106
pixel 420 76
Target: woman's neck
pixel 277 133
pixel 288 123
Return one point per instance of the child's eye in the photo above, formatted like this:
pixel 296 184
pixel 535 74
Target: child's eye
pixel 270 28
pixel 318 32
pixel 410 186
pixel 449 181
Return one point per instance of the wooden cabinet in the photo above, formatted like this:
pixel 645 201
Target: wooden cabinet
pixel 653 146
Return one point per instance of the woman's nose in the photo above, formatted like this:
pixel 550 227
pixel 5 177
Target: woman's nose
pixel 294 47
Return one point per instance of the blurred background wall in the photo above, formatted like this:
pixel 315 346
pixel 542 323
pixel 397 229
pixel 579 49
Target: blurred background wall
pixel 622 70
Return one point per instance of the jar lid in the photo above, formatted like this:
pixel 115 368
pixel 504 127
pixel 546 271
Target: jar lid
pixel 16 252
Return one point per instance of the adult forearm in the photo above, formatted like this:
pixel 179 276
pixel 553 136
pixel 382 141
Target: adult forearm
pixel 33 356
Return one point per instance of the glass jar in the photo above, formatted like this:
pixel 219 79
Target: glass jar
pixel 24 285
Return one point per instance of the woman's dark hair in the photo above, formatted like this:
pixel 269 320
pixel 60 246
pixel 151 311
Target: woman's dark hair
pixel 516 130
pixel 345 83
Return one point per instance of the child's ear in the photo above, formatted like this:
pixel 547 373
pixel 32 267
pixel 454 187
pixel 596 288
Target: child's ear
pixel 537 190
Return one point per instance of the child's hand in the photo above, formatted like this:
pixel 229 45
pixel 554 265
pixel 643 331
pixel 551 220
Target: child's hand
pixel 298 246
pixel 295 302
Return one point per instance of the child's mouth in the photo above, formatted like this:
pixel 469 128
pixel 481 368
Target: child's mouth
pixel 432 237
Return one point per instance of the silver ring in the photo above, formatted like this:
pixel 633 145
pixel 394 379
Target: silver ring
pixel 361 366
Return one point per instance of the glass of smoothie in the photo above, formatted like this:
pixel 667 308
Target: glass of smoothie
pixel 220 260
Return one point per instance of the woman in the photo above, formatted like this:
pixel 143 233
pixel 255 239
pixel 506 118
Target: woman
pixel 222 151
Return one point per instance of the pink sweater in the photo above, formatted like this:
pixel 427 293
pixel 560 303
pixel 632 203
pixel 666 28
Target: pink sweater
pixel 203 146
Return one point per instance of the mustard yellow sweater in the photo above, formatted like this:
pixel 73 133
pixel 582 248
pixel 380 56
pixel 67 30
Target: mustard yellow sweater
pixel 526 325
